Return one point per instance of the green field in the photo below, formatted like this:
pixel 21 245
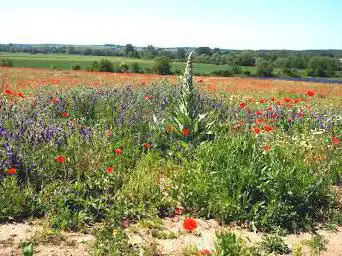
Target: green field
pixel 66 61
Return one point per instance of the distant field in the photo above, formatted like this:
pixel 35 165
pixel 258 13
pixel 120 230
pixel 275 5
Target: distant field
pixel 66 61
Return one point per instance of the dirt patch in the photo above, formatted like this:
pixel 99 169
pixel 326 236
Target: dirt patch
pixel 68 244
pixel 170 241
pixel 204 237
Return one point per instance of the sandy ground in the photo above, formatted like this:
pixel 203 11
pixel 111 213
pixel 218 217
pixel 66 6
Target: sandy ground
pixel 204 238
pixel 76 244
pixel 68 244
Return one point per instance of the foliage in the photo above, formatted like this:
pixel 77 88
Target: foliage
pixel 225 183
pixel 162 65
pixel 321 67
pixel 317 244
pixel 228 244
pixel 76 67
pixel 264 67
pixel 16 202
pixel 187 123
pixel 6 63
pixel 274 244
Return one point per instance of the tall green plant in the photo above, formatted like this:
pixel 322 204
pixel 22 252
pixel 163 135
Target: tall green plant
pixel 187 124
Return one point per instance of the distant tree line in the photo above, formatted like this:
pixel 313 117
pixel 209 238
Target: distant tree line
pixel 161 66
pixel 321 63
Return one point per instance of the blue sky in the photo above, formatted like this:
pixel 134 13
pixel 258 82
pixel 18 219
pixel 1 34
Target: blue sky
pixel 231 24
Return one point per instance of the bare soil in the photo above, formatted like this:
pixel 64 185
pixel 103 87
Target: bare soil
pixel 77 244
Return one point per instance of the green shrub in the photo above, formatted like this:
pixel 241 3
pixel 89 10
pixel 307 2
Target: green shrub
pixel 232 180
pixel 162 65
pixel 76 67
pixel 6 63
pixel 264 68
pixel 274 244
pixel 147 192
pixel 228 244
pixel 16 202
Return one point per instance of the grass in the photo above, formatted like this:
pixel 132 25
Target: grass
pixel 66 61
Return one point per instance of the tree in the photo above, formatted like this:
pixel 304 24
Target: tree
pixel 6 63
pixel 149 52
pixel 264 67
pixel 162 65
pixel 130 51
pixel 203 50
pixel 181 53
pixel 76 67
pixel 321 66
pixel 281 62
pixel 246 58
pixel 135 68
pixel 105 66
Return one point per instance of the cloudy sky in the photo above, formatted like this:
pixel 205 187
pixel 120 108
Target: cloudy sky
pixel 230 24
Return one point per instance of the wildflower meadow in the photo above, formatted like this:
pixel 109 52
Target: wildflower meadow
pixel 101 153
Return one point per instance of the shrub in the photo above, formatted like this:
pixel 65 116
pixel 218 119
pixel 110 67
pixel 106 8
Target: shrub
pixel 162 65
pixel 290 72
pixel 321 67
pixel 136 68
pixel 234 181
pixel 264 68
pixel 6 63
pixel 76 67
pixel 274 244
pixel 105 66
pixel 16 202
pixel 124 67
pixel 224 73
pixel 228 244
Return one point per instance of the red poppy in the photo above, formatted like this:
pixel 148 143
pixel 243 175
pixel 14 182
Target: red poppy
pixel 118 151
pixel 185 132
pixel 178 211
pixel 65 114
pixel 335 140
pixel 200 81
pixel 11 171
pixel 147 145
pixel 310 93
pixel 300 114
pixel 8 92
pixel 262 101
pixel 259 120
pixel 258 113
pixel 205 252
pixel 109 169
pixel 273 99
pixel 60 159
pixel 287 100
pixel 267 148
pixel 256 130
pixel 21 95
pixel 296 101
pixel 242 105
pixel 269 108
pixel 278 103
pixel 268 128
pixel 189 224
pixel 148 97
